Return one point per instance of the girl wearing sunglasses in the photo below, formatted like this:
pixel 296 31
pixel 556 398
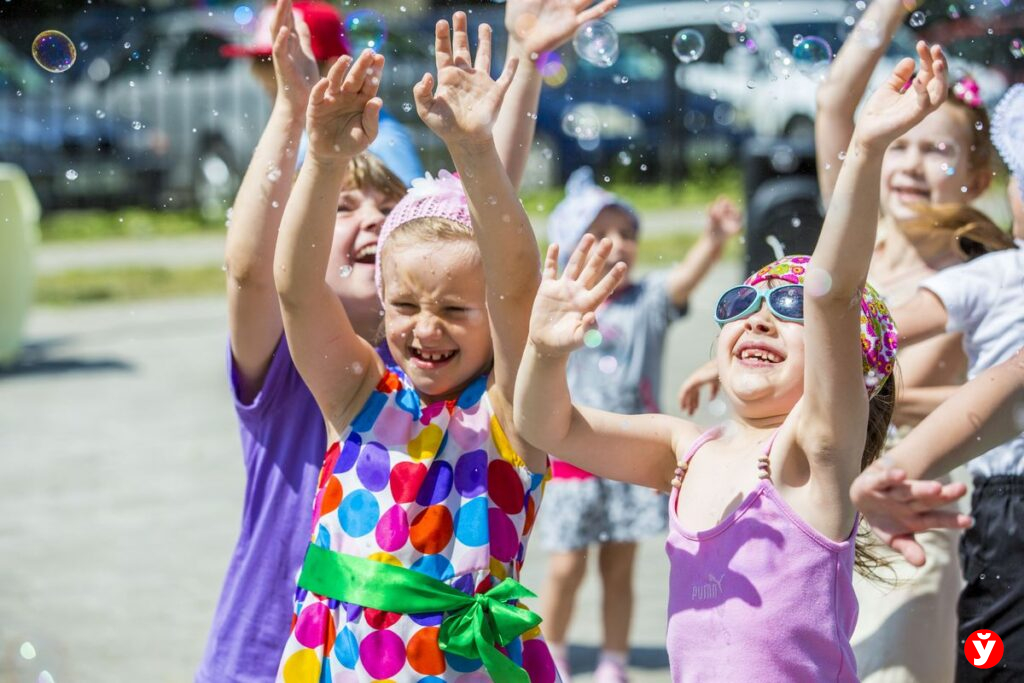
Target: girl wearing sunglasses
pixel 762 530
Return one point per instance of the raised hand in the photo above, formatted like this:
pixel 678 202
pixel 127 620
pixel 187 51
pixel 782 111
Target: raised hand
pixel 689 392
pixel 897 508
pixel 294 65
pixel 545 25
pixel 564 308
pixel 904 99
pixel 344 108
pixel 467 100
pixel 724 220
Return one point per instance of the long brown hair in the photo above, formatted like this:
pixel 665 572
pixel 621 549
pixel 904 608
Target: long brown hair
pixel 959 228
pixel 868 559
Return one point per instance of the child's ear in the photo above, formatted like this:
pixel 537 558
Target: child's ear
pixel 980 180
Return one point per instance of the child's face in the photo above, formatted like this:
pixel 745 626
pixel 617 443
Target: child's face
pixel 761 363
pixel 350 270
pixel 616 224
pixel 930 164
pixel 435 314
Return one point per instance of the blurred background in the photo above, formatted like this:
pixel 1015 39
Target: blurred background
pixel 116 434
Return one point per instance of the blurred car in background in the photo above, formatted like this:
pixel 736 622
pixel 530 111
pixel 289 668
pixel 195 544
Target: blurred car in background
pixel 168 74
pixel 74 156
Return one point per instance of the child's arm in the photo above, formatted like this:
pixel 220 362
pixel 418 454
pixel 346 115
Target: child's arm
pixel 981 415
pixel 634 448
pixel 848 76
pixel 534 27
pixel 923 317
pixel 462 112
pixel 689 392
pixel 333 360
pixel 832 417
pixel 724 221
pixel 254 319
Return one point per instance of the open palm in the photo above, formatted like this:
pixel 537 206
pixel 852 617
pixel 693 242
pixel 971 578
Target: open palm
pixel 467 100
pixel 896 107
pixel 565 306
pixel 344 108
pixel 545 25
pixel 294 65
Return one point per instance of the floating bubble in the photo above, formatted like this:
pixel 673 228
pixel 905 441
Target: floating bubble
pixel 597 42
pixel 731 18
pixel 978 125
pixel 27 650
pixel 345 270
pixel 592 338
pixel 243 15
pixel 917 19
pixel 795 221
pixel 624 158
pixel 54 51
pixel 947 168
pixel 551 69
pixel 44 677
pixel 780 62
pixel 817 282
pixel 688 45
pixel 136 125
pixel 607 364
pixel 953 11
pixel 364 28
pixel 867 33
pixel 582 125
pixel 71 174
pixel 273 173
pixel 1017 48
pixel 812 55
pixel 797 39
pixel 717 407
pixel 406 107
pixel 945 154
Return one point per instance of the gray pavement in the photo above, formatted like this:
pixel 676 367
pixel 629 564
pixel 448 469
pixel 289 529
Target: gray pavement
pixel 121 486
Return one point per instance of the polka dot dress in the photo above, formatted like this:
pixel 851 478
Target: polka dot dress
pixel 436 489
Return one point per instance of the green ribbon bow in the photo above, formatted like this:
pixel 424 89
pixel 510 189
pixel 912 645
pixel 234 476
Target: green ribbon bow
pixel 473 626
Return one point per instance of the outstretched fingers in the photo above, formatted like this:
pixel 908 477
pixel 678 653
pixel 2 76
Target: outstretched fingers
pixel 483 49
pixel 595 264
pixel 423 96
pixel 579 257
pixel 612 279
pixel 371 117
pixel 507 74
pixel 442 45
pixel 595 12
pixel 550 271
pixel 460 40
pixel 283 17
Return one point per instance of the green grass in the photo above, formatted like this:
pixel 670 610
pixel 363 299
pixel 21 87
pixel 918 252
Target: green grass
pixel 62 226
pixel 126 283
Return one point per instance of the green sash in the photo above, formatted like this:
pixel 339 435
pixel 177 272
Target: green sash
pixel 473 626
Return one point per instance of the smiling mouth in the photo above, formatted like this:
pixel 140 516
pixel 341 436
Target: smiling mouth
pixel 911 194
pixel 759 357
pixel 366 255
pixel 431 359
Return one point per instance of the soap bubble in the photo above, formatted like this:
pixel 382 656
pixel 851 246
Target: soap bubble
pixel 945 154
pixel 817 282
pixel 731 18
pixel 592 338
pixel 812 55
pixel 71 174
pixel 582 125
pixel 868 34
pixel 688 45
pixel 607 364
pixel 345 270
pixel 797 39
pixel 45 677
pixel 781 63
pixel 364 29
pixel 54 51
pixel 1017 48
pixel 917 19
pixel 953 11
pixel 597 42
pixel 243 15
pixel 27 651
pixel 551 69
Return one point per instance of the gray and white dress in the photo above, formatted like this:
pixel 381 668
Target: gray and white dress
pixel 622 374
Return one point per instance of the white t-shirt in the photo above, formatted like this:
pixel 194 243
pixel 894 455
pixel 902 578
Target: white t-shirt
pixel 984 300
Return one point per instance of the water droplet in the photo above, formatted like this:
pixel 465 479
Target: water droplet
pixel 592 338
pixel 978 125
pixel 842 155
pixel 731 18
pixel 688 45
pixel 27 650
pixel 917 19
pixel 54 51
pixel 273 174
pixel 71 174
pixel 345 270
pixel 597 42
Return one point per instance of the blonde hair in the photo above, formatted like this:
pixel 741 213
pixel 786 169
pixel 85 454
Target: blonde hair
pixel 964 229
pixel 368 172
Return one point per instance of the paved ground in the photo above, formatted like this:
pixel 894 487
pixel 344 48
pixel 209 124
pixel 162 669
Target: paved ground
pixel 121 485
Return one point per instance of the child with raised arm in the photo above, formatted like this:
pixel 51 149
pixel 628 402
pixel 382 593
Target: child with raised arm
pixel 427 496
pixel 761 541
pixel 622 373
pixel 282 430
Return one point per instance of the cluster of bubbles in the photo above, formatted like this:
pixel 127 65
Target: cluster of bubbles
pixel 54 51
pixel 731 18
pixel 364 28
pixel 28 653
pixel 947 152
pixel 597 42
pixel 583 125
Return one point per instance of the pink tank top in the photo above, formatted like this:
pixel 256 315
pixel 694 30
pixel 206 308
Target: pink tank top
pixel 760 596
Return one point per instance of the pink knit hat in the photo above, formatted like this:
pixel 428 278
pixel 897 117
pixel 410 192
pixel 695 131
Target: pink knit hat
pixel 440 197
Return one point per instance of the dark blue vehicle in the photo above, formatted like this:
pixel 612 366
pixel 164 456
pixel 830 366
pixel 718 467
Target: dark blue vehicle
pixel 73 157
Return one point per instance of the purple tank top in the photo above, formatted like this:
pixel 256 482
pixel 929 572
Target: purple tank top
pixel 759 596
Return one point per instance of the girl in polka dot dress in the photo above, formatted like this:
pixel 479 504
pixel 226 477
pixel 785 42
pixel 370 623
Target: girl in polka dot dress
pixel 427 496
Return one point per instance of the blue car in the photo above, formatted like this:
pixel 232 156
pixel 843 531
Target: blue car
pixel 74 157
